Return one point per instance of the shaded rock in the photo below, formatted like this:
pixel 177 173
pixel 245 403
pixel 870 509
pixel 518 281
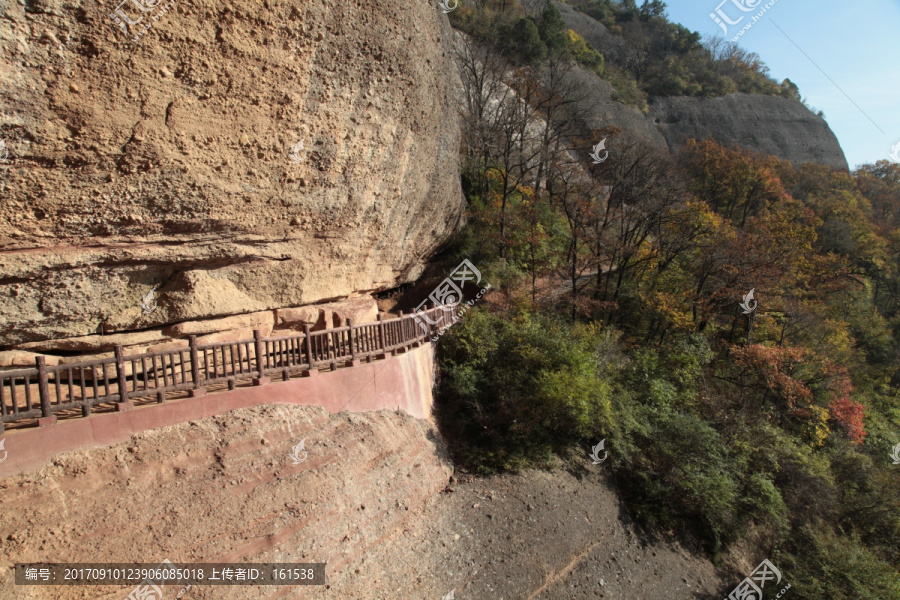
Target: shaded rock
pixel 263 320
pixel 91 343
pixel 296 318
pixel 360 310
pixel 21 359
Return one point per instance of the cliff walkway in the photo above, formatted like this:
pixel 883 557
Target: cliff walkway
pixel 51 409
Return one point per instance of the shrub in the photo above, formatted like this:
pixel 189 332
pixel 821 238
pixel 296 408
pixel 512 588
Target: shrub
pixel 584 54
pixel 523 42
pixel 516 392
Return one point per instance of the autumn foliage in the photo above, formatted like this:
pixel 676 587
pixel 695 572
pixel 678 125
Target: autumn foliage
pixel 723 421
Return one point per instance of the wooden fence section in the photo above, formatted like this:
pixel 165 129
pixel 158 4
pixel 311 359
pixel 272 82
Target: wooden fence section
pixel 42 392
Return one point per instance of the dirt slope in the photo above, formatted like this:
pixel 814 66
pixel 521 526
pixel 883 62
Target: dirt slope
pixel 372 500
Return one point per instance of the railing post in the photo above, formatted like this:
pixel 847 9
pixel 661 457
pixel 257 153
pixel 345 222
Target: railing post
pixel 309 356
pixel 353 361
pixel 123 403
pixel 431 326
pixel 381 340
pixel 195 369
pixel 261 378
pixel 47 417
pixel 402 331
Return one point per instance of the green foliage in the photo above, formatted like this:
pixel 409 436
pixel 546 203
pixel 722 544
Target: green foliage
pixel 553 29
pixel 825 564
pixel 675 470
pixel 584 54
pixel 523 42
pixel 521 390
pixel 790 90
pixel 627 89
pixel 775 439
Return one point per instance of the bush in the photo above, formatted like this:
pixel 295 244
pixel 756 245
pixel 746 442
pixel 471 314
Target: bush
pixel 514 393
pixel 584 54
pixel 523 42
pixel 824 564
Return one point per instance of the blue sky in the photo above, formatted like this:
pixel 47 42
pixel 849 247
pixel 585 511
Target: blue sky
pixel 854 42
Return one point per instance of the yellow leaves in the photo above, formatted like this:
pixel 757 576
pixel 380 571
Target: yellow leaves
pixel 673 309
pixel 814 428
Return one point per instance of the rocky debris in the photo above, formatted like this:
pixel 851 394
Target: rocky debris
pixel 333 314
pixel 258 320
pixel 300 316
pixel 18 359
pixel 167 164
pixel 361 310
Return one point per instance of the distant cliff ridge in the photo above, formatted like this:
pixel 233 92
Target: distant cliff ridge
pixel 237 157
pixel 768 124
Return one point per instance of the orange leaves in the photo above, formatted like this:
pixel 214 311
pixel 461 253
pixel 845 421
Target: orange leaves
pixel 733 182
pixel 846 412
pixel 775 367
pixel 849 414
pixel 806 383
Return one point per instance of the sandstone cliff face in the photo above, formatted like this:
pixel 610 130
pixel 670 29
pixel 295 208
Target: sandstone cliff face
pixel 776 126
pixel 174 163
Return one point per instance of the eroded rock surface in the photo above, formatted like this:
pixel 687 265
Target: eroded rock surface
pixel 778 126
pixel 372 498
pixel 174 163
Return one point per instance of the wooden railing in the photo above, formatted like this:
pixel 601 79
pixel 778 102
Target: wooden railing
pixel 44 391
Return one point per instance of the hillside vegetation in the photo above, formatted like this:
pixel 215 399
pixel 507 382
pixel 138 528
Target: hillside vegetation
pixel 638 50
pixel 618 317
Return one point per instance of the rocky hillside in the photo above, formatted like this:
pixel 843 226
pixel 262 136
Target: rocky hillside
pixel 374 499
pixel 778 126
pixel 234 157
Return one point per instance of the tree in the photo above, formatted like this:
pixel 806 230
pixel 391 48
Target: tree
pixel 523 42
pixel 553 29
